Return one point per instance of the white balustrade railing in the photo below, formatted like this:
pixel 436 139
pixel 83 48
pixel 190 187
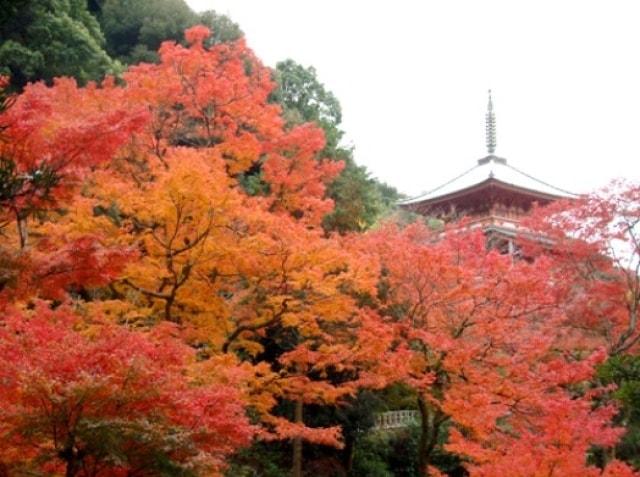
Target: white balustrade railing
pixel 395 419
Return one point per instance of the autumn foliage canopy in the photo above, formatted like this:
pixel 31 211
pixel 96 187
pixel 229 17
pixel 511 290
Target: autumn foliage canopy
pixel 156 315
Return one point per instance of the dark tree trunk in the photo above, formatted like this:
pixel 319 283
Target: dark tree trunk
pixel 296 470
pixel 348 453
pixel 71 458
pixel 72 467
pixel 70 455
pixel 22 230
pixel 430 422
pixel 423 445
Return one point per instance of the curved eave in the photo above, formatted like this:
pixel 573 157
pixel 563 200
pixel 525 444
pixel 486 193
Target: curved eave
pixel 486 184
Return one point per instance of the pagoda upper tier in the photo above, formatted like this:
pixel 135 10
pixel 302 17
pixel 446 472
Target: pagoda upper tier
pixel 491 183
pixel 492 192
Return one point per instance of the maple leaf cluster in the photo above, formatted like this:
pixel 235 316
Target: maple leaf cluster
pixel 155 314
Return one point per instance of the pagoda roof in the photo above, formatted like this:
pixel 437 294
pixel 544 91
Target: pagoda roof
pixel 491 171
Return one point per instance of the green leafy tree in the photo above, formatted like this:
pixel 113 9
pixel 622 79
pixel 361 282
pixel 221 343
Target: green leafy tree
pixel 304 99
pixel 43 39
pixel 135 29
pixel 624 372
pixel 222 27
pixel 360 199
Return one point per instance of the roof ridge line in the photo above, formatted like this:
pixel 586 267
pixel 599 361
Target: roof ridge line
pixel 540 181
pixel 422 194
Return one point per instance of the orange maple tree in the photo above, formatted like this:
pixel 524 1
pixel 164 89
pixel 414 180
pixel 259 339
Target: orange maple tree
pixel 170 236
pixel 51 137
pixel 596 263
pixel 488 357
pixel 102 400
pixel 150 303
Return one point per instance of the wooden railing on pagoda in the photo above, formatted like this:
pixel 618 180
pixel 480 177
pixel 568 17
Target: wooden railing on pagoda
pixel 396 419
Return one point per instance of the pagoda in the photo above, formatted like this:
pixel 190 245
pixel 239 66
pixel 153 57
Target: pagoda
pixel 493 195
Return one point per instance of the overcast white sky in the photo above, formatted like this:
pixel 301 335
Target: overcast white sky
pixel 412 78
